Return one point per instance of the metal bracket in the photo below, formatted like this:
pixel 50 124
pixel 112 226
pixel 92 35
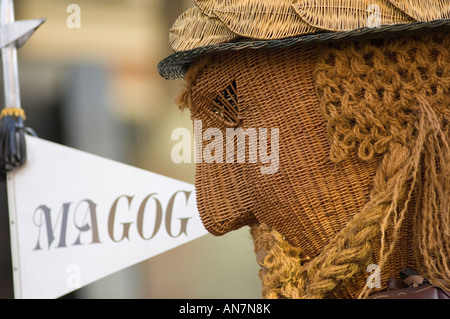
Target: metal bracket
pixel 12 134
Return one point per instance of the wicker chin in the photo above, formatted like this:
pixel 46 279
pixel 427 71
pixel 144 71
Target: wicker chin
pixel 364 160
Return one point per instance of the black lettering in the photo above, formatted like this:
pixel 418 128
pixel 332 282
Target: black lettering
pixel 158 217
pixel 112 216
pixel 92 211
pixel 169 212
pixel 46 213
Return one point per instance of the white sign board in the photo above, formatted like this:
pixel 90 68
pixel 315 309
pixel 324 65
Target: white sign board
pixel 76 217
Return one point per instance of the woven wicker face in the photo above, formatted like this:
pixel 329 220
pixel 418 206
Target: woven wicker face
pixel 309 198
pixel 362 165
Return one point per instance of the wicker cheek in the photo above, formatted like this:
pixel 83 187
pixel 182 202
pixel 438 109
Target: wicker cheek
pixel 310 198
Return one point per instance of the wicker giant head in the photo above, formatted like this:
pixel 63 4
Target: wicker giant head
pixel 326 130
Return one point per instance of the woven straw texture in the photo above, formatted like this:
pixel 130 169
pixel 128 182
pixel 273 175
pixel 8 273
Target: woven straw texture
pixel 217 21
pixel 424 10
pixel 202 31
pixel 344 15
pixel 364 160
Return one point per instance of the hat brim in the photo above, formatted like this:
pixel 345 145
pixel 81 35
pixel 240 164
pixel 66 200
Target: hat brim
pixel 176 65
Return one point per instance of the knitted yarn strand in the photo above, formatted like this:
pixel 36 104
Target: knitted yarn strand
pixel 434 224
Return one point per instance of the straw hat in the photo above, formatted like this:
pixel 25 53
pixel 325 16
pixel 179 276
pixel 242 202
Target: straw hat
pixel 222 25
pixel 358 93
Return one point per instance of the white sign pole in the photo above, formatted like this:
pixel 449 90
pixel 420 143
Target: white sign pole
pixel 14 235
pixel 12 36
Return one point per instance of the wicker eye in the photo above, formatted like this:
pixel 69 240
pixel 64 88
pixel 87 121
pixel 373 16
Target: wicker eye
pixel 225 105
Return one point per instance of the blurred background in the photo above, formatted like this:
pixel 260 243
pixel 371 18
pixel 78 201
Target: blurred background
pixel 95 87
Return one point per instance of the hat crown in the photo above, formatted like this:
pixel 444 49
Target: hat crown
pixel 221 21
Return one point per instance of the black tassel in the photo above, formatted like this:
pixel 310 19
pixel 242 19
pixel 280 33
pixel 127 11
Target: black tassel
pixel 13 153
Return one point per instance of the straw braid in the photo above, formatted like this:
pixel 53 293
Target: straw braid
pixel 350 251
pixel 279 261
pixel 347 253
pixel 434 222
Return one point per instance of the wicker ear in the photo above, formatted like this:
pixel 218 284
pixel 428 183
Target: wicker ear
pixel 269 19
pixel 344 15
pixel 195 29
pixel 425 10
